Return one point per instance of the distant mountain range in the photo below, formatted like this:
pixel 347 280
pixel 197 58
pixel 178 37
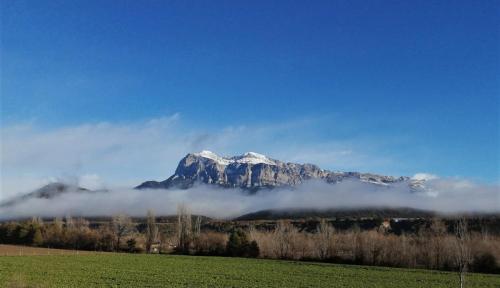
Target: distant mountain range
pixel 250 172
pixel 255 171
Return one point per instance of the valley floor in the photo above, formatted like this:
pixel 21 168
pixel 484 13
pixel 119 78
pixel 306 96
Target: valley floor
pixel 140 270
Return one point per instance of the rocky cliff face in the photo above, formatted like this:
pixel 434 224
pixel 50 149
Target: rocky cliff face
pixel 254 171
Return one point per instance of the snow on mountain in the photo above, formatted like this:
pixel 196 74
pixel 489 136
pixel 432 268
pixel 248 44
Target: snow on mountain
pixel 254 171
pixel 248 157
pixel 253 158
pixel 212 156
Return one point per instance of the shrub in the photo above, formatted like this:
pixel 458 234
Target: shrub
pixel 253 250
pixel 131 245
pixel 239 245
pixel 485 263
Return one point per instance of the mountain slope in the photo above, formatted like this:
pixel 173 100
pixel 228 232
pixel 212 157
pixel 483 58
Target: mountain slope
pixel 360 212
pixel 48 191
pixel 254 171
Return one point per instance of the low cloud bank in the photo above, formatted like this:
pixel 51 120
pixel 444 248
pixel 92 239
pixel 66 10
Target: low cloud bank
pixel 126 154
pixel 441 195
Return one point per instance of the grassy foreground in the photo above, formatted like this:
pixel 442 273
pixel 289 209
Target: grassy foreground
pixel 127 270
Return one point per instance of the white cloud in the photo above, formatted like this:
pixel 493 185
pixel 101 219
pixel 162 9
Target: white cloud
pixel 123 155
pixel 91 181
pixel 222 203
pixel 424 176
pixel 104 155
pixel 126 154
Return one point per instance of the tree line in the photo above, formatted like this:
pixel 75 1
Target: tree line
pixel 433 248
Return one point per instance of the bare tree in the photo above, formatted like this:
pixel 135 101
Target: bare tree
pixel 151 230
pixel 357 245
pixel 183 228
pixel 485 234
pixel 462 250
pixel 122 226
pixel 325 239
pixel 284 238
pixel 81 225
pixel 58 222
pixel 405 254
pixel 69 222
pixel 197 227
pixel 438 233
pixel 37 221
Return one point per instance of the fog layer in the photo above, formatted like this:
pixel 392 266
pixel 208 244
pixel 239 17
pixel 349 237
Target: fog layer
pixel 441 195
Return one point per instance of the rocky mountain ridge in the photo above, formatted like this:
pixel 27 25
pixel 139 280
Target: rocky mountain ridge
pixel 250 171
pixel 255 171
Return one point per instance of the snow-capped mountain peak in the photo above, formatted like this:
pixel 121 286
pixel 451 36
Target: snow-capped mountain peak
pixel 247 158
pixel 254 171
pixel 207 154
pixel 212 156
pixel 253 158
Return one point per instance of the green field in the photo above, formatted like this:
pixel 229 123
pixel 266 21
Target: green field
pixel 128 270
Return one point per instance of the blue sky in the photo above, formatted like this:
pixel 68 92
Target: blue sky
pixel 401 86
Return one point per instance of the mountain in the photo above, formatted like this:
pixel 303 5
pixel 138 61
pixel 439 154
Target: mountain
pixel 360 212
pixel 255 171
pixel 48 191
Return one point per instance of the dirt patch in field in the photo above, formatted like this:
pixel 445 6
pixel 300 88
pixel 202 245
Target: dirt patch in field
pixel 15 250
